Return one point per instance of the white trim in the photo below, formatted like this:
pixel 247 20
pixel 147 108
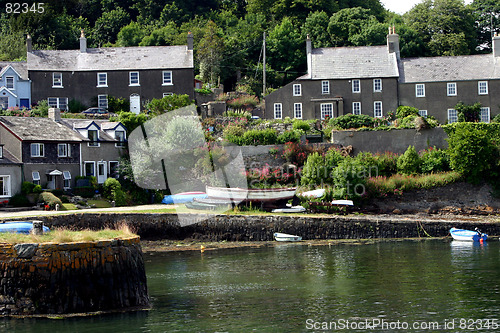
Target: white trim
pixel 165 94
pixel 358 86
pixel 324 111
pixel 275 108
pixel 99 101
pixel 124 139
pixel 453 87
pixel 420 85
pixel 99 84
pixel 93 143
pixel 487 109
pixel 6 68
pixel 109 166
pixel 422 113
pixel 66 177
pixel 375 109
pixel 65 150
pixel 323 86
pixel 353 108
pixel 295 110
pixel 168 83
pixel 13 82
pixel 130 84
pixel 37 145
pixel 297 89
pixel 479 87
pixel 6 183
pixel 60 84
pixel 375 85
pixel 454 116
pixel 85 168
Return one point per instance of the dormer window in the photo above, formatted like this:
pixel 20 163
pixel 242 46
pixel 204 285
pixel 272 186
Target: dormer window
pixel 120 137
pixel 57 80
pixel 93 136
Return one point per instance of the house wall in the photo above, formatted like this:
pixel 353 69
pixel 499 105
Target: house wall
pixel 22 88
pixel 43 168
pixel 105 152
pixel 82 86
pixel 14 171
pixel 50 153
pixel 11 142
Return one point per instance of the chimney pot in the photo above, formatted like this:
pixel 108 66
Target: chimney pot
pixel 190 42
pixel 83 42
pixel 29 44
pixel 495 45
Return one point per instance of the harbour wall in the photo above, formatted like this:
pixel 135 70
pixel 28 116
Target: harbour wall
pixel 70 278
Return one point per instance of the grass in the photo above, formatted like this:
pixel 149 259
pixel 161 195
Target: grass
pixel 60 235
pixel 69 206
pixel 99 203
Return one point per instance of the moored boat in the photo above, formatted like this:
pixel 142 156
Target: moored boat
pixel 468 235
pixel 281 237
pixel 292 209
pixel 19 227
pixel 250 195
pixel 183 197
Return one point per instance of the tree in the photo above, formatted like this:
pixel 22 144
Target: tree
pixel 108 25
pixel 162 36
pixel 130 35
pixel 168 103
pixel 172 13
pixel 316 26
pixel 487 17
pixel 210 53
pixel 347 23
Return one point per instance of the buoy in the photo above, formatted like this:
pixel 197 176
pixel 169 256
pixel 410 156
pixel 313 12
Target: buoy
pixel 202 248
pixel 481 240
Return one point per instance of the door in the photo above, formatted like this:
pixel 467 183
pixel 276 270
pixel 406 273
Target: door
pixel 101 172
pixel 24 103
pixel 135 103
pixel 51 182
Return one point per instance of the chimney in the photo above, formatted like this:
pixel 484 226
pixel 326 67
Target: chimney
pixel 190 41
pixel 55 114
pixel 393 42
pixel 29 44
pixel 309 55
pixel 83 43
pixel 495 45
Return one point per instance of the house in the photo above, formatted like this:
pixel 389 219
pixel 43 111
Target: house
pixel 374 80
pixel 15 87
pixel 90 75
pixel 10 174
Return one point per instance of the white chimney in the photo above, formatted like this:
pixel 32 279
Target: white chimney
pixel 55 114
pixel 495 45
pixel 83 43
pixel 393 42
pixel 309 56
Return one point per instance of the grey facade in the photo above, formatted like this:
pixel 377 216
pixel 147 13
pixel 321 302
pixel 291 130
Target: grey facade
pixel 15 87
pixel 10 174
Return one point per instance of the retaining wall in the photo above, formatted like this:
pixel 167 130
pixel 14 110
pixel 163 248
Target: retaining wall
pixel 38 279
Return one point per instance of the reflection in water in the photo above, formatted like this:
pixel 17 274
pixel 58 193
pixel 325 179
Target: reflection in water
pixel 277 289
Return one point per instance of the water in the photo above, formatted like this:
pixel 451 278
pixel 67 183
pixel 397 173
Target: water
pixel 291 288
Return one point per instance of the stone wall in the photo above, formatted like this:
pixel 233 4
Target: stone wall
pixel 39 279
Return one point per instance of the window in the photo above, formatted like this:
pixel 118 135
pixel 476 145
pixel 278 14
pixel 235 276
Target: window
pixel 94 138
pixel 102 79
pixel 37 150
pixel 5 186
pixel 35 175
pixel 452 116
pixel 297 110
pixel 113 169
pixel 422 113
pixel 325 87
pixel 67 179
pixel 102 101
pixel 58 102
pixel 9 82
pixel 1 151
pixel 297 90
pixel 62 150
pixel 485 115
pixel 57 80
pixel 134 79
pixel 356 86
pixel 482 87
pixel 89 169
pixel 167 78
pixel 326 110
pixel 168 94
pixel 451 89
pixel 120 136
pixel 377 109
pixel 377 85
pixel 356 107
pixel 420 90
pixel 278 108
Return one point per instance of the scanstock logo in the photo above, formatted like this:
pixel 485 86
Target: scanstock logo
pixel 170 152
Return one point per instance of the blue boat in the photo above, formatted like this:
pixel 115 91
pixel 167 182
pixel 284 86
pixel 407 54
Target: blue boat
pixel 468 235
pixel 183 197
pixel 19 227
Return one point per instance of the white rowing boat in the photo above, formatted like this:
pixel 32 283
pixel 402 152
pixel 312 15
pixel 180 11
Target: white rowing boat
pixel 250 195
pixel 280 237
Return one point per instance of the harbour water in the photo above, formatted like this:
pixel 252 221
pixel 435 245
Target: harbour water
pixel 417 286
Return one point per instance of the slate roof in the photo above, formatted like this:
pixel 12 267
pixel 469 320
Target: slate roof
pixel 39 129
pixel 352 63
pixel 19 66
pixel 82 124
pixel 113 58
pixel 8 158
pixel 453 68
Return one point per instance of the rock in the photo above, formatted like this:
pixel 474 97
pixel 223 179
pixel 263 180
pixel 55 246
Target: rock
pixel 26 250
pixel 397 211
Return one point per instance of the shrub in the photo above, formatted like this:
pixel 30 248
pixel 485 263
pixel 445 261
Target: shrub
pixel 387 163
pixel 233 134
pixel 434 160
pixel 349 179
pixel 405 111
pixel 37 189
pixel 260 137
pixel 51 200
pixel 109 187
pixel 333 157
pixel 296 153
pixel 468 113
pixel 27 188
pixel 352 121
pixel 496 119
pixel 409 162
pixel 301 125
pixel 408 121
pixel 204 91
pixel 315 171
pixel 290 136
pixel 19 200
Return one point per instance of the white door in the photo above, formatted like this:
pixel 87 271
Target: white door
pixel 101 172
pixel 135 103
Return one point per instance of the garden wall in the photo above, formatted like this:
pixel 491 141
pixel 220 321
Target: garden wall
pixel 40 279
pixel 396 141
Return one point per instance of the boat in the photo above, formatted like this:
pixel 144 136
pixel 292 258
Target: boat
pixel 468 235
pixel 313 194
pixel 19 227
pixel 183 197
pixel 280 237
pixel 250 195
pixel 291 209
pixel 342 203
pixel 209 204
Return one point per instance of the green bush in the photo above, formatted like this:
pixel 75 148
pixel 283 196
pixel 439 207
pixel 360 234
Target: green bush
pixel 75 106
pixel 468 113
pixel 119 197
pixel 333 157
pixel 266 136
pixel 405 111
pixel 434 160
pixel 349 179
pixel 409 162
pixel 352 121
pixel 51 200
pixel 290 136
pixel 408 121
pixel 496 119
pixel 37 189
pixel 234 134
pixel 315 171
pixel 301 125
pixel 27 188
pixel 387 163
pixel 109 187
pixel 19 200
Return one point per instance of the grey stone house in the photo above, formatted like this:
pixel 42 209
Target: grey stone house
pixel 374 80
pixel 10 174
pixel 90 75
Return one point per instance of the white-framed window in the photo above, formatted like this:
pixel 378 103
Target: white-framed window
pixel 5 186
pixel 297 110
pixel 120 136
pixel 168 94
pixel 102 101
pixel 35 175
pixel 325 87
pixel 422 113
pixel 278 110
pixel 9 82
pixel 484 116
pixel 58 102
pixel 63 150
pixel 326 110
pixel 356 86
pixel 377 109
pixel 37 150
pixel 420 90
pixel 451 89
pixel 113 169
pixel 377 85
pixel 89 168
pixel 134 79
pixel 1 151
pixel 452 116
pixel 93 136
pixel 167 78
pixel 57 80
pixel 102 79
pixel 66 179
pixel 297 89
pixel 482 87
pixel 356 107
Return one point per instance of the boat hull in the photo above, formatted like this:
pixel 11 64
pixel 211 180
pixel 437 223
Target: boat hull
pixel 183 197
pixel 467 235
pixel 250 195
pixel 19 227
pixel 280 237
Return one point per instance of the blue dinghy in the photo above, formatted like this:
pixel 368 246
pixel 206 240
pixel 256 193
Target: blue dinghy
pixel 183 197
pixel 19 227
pixel 468 235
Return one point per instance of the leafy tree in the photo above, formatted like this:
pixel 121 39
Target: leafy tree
pixel 162 36
pixel 409 162
pixel 210 53
pixel 12 46
pixel 130 120
pixel 130 35
pixel 487 17
pixel 316 26
pixel 347 23
pixel 168 103
pixel 108 25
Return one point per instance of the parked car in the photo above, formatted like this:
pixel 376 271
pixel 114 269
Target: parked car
pixel 95 111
